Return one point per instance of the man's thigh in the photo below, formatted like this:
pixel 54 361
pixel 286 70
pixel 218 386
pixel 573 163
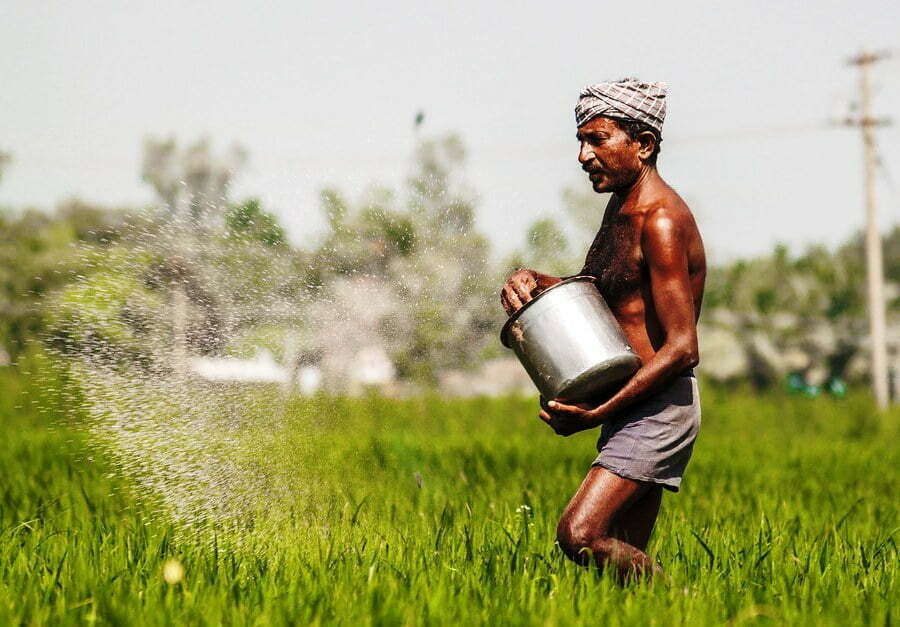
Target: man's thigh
pixel 634 525
pixel 602 500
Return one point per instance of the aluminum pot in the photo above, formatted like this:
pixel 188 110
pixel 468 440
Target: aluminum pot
pixel 569 342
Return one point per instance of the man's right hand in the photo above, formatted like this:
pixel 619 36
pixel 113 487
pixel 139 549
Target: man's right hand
pixel 523 285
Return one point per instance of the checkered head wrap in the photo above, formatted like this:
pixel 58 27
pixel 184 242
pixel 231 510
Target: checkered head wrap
pixel 628 99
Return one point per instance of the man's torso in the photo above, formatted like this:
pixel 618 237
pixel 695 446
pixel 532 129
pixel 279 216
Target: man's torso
pixel 617 261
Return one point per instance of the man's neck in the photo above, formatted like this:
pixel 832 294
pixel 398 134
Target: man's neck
pixel 630 196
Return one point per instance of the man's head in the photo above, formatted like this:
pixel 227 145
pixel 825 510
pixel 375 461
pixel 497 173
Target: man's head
pixel 620 129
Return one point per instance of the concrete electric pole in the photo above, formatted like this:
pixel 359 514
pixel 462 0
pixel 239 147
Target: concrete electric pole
pixel 874 263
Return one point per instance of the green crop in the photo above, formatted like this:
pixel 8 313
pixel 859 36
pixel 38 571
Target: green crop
pixel 436 511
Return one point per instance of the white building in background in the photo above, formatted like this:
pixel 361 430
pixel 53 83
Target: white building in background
pixel 372 366
pixel 495 377
pixel 369 366
pixel 262 368
pixel 359 370
pixel 309 380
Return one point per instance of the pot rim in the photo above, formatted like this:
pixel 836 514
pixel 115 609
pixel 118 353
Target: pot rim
pixel 505 330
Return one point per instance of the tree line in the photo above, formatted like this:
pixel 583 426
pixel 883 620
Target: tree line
pixel 406 269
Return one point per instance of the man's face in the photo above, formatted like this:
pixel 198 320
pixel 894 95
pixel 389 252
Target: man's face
pixel 608 155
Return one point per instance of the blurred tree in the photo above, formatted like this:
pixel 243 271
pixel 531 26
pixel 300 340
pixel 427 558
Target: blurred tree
pixel 105 283
pixel 193 175
pixel 406 269
pixel 193 185
pixel 119 307
pixel 546 250
pixel 421 259
pixel 39 255
pixel 247 221
pixel 584 208
pixel 803 314
pixel 109 316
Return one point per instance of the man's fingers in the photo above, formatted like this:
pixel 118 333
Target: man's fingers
pixel 548 408
pixel 524 288
pixel 512 298
pixel 508 306
pixel 518 290
pixel 563 408
pixel 505 302
pixel 545 416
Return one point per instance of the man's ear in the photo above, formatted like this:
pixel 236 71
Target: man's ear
pixel 648 144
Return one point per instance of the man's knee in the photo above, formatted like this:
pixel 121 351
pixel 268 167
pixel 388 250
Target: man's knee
pixel 580 541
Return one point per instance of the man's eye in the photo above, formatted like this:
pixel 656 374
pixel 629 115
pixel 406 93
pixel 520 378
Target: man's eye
pixel 593 140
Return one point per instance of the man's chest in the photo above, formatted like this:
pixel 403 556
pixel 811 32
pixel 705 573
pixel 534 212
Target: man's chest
pixel 615 259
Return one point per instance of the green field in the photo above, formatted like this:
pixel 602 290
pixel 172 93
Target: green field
pixel 430 511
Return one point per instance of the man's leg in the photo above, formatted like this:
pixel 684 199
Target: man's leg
pixel 595 522
pixel 635 524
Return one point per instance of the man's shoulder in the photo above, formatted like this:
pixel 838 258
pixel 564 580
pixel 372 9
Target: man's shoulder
pixel 668 227
pixel 668 222
pixel 664 218
pixel 660 195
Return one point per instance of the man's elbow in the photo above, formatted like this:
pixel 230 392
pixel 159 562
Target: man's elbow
pixel 694 360
pixel 686 356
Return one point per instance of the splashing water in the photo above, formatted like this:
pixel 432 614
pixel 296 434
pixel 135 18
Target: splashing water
pixel 174 289
pixel 193 448
pixel 130 330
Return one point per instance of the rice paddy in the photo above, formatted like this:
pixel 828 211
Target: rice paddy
pixel 427 510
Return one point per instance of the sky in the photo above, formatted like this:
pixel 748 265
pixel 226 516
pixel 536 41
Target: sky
pixel 325 93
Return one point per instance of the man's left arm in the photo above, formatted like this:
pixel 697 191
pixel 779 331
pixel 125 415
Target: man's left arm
pixel 665 253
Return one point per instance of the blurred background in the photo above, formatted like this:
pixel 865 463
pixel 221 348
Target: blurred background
pixel 329 196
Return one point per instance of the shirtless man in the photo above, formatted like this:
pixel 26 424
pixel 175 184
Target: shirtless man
pixel 650 266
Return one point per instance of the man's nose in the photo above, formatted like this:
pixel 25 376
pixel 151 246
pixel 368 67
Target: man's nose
pixel 585 153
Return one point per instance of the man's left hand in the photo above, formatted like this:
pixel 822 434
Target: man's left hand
pixel 568 419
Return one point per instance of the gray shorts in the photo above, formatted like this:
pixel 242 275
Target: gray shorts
pixel 654 439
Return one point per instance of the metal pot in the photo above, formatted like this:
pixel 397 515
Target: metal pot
pixel 569 342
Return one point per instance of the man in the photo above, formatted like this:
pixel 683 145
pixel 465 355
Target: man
pixel 649 264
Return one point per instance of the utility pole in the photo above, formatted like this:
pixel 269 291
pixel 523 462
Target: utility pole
pixel 874 263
